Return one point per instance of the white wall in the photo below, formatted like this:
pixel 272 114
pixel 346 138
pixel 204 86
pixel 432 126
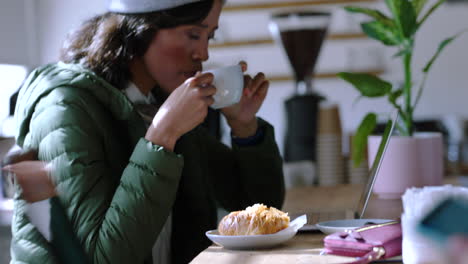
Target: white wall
pixel 13 28
pixel 446 91
pixel 17 45
pixel 56 18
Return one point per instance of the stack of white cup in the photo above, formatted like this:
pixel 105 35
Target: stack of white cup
pixel 330 161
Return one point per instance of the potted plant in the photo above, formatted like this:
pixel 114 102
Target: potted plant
pixel 398 29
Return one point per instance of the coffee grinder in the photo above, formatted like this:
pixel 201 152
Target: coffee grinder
pixel 301 34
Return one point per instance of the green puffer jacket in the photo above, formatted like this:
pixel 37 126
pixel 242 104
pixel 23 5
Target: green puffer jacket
pixel 117 188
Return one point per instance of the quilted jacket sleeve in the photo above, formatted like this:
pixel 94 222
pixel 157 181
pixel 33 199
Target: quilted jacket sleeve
pixel 244 175
pixel 116 217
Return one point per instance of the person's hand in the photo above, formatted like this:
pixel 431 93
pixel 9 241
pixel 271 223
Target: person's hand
pixel 32 175
pixel 184 109
pixel 241 117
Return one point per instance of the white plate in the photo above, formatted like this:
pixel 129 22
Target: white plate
pixel 257 241
pixel 330 227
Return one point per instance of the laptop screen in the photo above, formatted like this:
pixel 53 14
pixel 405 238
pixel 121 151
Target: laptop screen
pixel 374 169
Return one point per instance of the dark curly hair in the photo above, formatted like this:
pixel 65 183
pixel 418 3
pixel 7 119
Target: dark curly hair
pixel 106 43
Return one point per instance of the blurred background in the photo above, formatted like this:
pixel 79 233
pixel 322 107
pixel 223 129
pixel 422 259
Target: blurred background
pixel 32 32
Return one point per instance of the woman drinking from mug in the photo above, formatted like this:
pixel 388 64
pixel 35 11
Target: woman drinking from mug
pixel 119 120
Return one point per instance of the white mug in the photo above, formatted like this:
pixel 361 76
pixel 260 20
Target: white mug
pixel 229 83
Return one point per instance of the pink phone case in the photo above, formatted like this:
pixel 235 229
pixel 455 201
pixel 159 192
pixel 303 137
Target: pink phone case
pixel 369 242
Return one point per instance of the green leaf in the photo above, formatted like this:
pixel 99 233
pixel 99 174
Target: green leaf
pixel 418 5
pixel 366 127
pixel 381 32
pixel 404 16
pixel 376 14
pixel 442 45
pixel 431 10
pixel 394 96
pixel 368 85
pixel 402 52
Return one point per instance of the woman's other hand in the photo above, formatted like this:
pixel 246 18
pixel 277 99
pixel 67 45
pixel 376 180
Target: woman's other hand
pixel 32 175
pixel 184 109
pixel 241 117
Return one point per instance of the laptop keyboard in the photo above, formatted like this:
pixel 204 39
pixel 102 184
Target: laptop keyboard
pixel 316 217
pixel 322 216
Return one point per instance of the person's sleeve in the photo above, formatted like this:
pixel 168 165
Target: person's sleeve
pixel 249 141
pixel 247 174
pixel 116 217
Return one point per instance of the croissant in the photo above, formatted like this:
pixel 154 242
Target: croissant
pixel 254 220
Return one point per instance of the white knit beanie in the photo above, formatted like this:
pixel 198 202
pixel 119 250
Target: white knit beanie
pixel 144 6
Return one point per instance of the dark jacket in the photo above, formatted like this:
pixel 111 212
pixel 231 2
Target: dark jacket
pixel 116 187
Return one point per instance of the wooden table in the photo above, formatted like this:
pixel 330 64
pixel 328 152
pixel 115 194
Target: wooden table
pixel 306 247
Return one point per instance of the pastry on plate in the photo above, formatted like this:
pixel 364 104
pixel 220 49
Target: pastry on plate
pixel 257 219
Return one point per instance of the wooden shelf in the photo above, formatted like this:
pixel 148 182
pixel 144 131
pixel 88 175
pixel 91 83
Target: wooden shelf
pixel 324 75
pixel 256 6
pixel 250 42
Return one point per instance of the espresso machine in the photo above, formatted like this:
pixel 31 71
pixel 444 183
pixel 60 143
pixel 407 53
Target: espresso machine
pixel 301 34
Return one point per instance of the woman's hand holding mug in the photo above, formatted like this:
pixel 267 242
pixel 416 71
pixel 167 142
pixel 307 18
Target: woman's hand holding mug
pixel 241 116
pixel 184 109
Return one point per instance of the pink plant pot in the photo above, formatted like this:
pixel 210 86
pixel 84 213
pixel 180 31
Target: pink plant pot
pixel 408 162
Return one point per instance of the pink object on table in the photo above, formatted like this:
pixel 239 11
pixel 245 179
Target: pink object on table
pixel 369 242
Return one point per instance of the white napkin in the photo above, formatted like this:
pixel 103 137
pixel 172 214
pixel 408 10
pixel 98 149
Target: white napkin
pixel 417 203
pixel 294 225
pixel 39 215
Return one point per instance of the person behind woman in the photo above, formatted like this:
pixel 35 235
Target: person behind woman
pixel 119 119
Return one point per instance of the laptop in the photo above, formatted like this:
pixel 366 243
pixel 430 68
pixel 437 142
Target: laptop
pixel 314 217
